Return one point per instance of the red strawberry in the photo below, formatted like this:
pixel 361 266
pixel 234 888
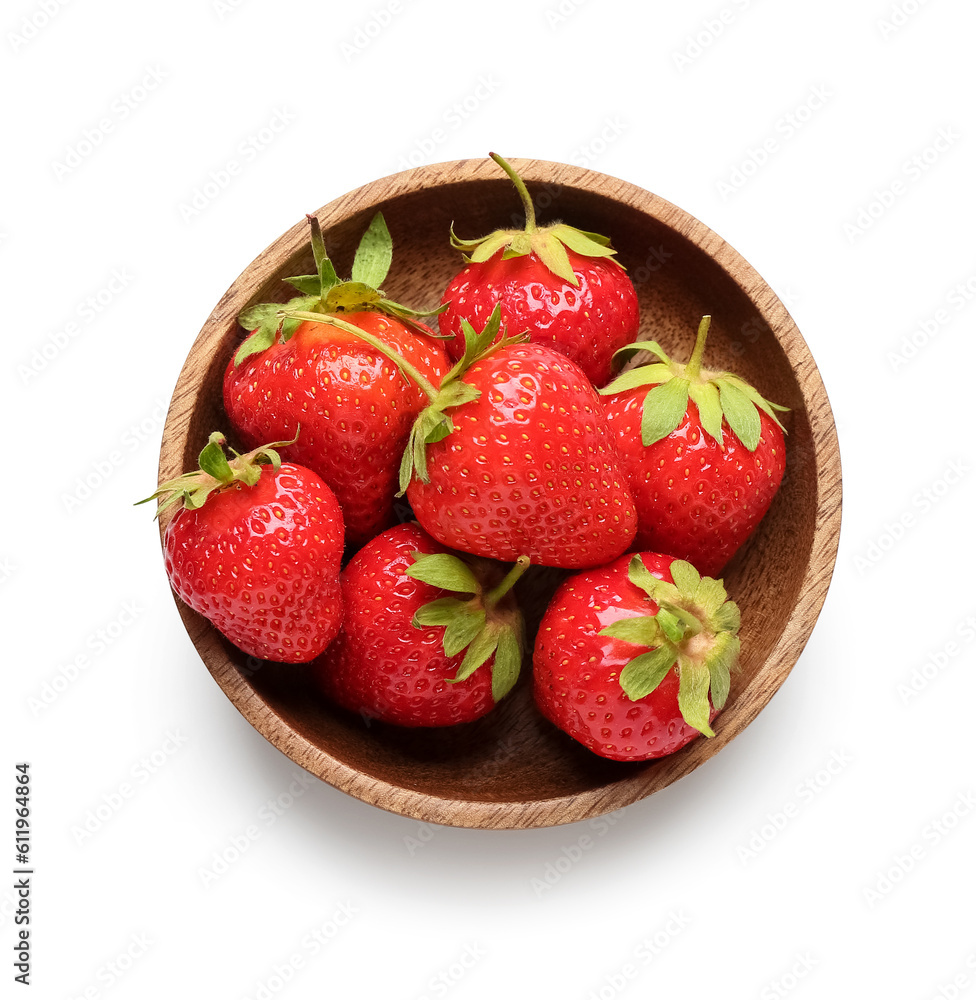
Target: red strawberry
pixel 633 659
pixel 411 651
pixel 256 549
pixel 558 284
pixel 323 363
pixel 703 452
pixel 516 460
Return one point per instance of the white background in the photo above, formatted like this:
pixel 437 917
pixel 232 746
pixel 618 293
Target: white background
pixel 828 851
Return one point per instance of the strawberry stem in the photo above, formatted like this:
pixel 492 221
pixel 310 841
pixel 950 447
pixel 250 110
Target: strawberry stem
pixel 318 242
pixel 523 191
pixel 216 473
pixel 510 579
pixel 405 367
pixel 693 368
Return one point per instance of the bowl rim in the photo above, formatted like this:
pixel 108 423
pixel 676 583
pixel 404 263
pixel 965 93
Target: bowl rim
pixel 474 813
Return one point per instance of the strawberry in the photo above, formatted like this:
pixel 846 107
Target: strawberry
pixel 633 659
pixel 321 362
pixel 557 283
pixel 704 455
pixel 516 459
pixel 255 547
pixel 412 651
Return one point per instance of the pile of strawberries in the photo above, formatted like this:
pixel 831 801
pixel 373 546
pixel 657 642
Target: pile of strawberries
pixel 514 446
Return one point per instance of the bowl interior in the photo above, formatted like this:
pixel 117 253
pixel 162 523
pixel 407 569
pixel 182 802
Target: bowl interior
pixel 512 768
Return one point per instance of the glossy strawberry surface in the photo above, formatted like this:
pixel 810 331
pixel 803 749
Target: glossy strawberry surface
pixel 262 563
pixel 382 666
pixel 587 322
pixel 351 407
pixel 695 499
pixel 529 468
pixel 576 671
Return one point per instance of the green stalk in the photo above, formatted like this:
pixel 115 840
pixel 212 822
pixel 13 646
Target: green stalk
pixel 511 577
pixel 405 367
pixel 693 368
pixel 530 224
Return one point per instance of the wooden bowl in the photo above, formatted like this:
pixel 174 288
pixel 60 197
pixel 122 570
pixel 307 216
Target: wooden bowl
pixel 512 769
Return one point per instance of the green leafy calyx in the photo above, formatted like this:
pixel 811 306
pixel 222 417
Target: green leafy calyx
pixel 434 422
pixel 487 624
pixel 693 628
pixel 216 472
pixel 721 397
pixel 325 295
pixel 548 243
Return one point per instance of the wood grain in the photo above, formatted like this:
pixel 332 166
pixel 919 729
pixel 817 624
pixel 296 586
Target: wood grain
pixel 512 769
